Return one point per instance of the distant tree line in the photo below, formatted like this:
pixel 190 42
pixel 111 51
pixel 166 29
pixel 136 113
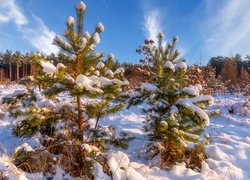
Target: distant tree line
pixel 221 73
pixel 233 71
pixel 219 62
pixel 15 65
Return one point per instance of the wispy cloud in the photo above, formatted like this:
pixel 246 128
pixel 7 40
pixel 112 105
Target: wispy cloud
pixel 153 17
pixel 36 33
pixel 226 27
pixel 9 11
pixel 152 23
pixel 39 36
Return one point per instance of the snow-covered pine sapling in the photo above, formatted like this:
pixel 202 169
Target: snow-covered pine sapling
pixel 176 115
pixel 91 77
pixel 57 113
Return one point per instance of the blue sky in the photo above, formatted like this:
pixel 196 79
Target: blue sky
pixel 206 27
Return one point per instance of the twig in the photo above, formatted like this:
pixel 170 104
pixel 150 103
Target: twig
pixel 119 164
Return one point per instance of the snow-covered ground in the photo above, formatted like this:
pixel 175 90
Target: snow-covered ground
pixel 228 152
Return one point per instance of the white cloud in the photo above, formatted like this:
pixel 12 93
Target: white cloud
pixel 152 23
pixel 37 34
pixel 9 11
pixel 40 36
pixel 226 27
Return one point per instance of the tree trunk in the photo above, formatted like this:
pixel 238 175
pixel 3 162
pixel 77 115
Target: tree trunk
pixel 1 75
pixel 10 72
pixel 97 120
pixel 26 69
pixel 79 109
pixel 22 70
pixel 31 70
pixel 17 72
pixel 78 99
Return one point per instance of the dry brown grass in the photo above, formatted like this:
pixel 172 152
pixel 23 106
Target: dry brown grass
pixel 70 156
pixel 35 161
pixel 177 154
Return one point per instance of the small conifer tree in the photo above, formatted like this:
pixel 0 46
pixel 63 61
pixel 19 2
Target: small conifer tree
pixel 214 84
pixel 244 81
pixel 176 115
pixel 56 111
pixel 229 74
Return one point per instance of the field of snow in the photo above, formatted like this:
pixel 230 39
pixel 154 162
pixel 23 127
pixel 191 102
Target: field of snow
pixel 228 152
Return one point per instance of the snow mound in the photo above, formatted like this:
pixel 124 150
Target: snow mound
pixel 10 171
pixel 109 73
pixel 201 98
pixel 60 66
pixel 118 163
pixel 118 160
pixel 193 90
pixel 93 83
pixel 241 108
pixel 87 83
pixel 119 70
pixel 133 174
pixel 100 65
pixel 105 81
pixel 187 103
pixel 48 67
pixel 26 147
pixel 181 65
pixel 148 87
pixel 99 174
pixel 170 65
pixel 17 92
pixel 214 152
pixel 89 148
pixel 97 73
